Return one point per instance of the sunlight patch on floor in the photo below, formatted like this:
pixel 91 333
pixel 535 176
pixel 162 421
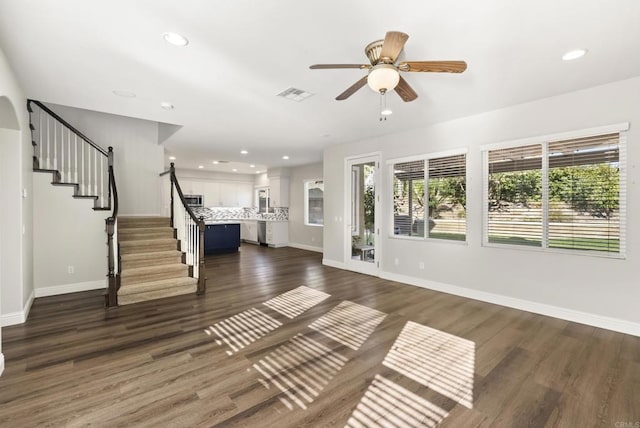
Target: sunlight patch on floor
pixel 349 324
pixel 438 360
pixel 387 404
pixel 300 369
pixel 243 329
pixel 296 301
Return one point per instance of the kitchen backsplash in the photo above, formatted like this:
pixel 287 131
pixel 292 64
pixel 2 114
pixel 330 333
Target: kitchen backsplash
pixel 227 213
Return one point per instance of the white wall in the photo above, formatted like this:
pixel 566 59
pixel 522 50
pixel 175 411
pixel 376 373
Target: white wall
pixel 597 290
pixel 138 159
pixel 16 294
pixel 301 235
pixel 67 232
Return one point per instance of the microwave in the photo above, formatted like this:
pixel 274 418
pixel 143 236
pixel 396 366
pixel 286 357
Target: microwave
pixel 194 200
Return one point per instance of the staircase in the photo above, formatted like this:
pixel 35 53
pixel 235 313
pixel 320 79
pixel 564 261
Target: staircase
pixel 151 261
pixel 145 260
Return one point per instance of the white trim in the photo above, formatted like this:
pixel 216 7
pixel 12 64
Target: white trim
pixel 427 156
pixel 306 247
pixel 27 305
pixel 71 288
pixel 333 263
pixel 569 135
pixel 600 321
pixel 1 363
pixel 19 317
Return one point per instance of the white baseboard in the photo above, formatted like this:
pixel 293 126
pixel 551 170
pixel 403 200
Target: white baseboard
pixel 306 247
pixel 594 320
pixel 19 317
pixel 1 363
pixel 71 288
pixel 333 263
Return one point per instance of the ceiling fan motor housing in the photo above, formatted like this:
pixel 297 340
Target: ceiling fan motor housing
pixel 372 50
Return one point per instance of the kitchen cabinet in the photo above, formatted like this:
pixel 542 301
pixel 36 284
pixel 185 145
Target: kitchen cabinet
pixel 221 238
pixel 249 231
pixel 277 233
pixel 279 191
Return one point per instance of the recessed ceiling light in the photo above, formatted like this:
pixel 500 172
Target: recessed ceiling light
pixel 234 170
pixel 167 106
pixel 200 166
pixel 172 158
pixel 175 39
pixel 252 166
pixel 285 157
pixel 574 54
pixel 215 162
pixel 244 152
pixel 125 94
pixel 386 112
pixel 258 172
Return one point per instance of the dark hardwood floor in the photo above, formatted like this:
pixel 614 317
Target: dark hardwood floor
pixel 341 349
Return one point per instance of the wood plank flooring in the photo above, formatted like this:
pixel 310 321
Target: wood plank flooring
pixel 339 349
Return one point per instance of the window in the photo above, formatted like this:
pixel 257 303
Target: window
pixel 262 196
pixel 313 203
pixel 560 194
pixel 430 205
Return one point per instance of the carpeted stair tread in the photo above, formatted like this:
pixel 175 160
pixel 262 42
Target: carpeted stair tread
pixel 167 233
pixel 128 299
pixel 143 222
pixel 149 256
pixel 152 273
pixel 161 284
pixel 148 245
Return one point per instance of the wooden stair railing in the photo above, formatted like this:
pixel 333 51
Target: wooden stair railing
pixel 74 160
pixel 190 231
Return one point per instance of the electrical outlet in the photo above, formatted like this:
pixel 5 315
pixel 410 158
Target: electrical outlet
pixel 70 269
pixel 421 265
pixel 313 239
pixel 396 261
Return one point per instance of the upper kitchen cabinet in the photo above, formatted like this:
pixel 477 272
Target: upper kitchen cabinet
pixel 218 189
pixel 279 187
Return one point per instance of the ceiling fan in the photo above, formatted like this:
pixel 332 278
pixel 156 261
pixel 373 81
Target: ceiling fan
pixel 384 73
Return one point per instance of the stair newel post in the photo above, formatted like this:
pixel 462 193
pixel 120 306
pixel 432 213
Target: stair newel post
pixel 202 280
pixel 112 293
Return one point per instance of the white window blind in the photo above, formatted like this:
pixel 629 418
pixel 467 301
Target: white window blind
pixel 584 194
pixel 429 198
pixel 408 198
pixel 447 191
pixel 515 196
pixel 561 194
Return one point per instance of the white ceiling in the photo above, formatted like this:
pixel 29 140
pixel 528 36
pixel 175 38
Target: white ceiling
pixel 244 52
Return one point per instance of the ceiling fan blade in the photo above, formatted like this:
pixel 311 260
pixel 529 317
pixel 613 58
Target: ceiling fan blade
pixel 393 43
pixel 331 66
pixel 433 66
pixel 352 89
pixel 405 91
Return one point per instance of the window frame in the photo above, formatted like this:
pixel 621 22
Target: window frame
pixel 544 140
pixel 306 201
pixel 425 157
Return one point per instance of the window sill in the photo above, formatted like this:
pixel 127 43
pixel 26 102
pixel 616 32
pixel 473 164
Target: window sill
pixel 428 240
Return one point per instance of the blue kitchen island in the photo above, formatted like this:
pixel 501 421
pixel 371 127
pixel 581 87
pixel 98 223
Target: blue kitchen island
pixel 221 237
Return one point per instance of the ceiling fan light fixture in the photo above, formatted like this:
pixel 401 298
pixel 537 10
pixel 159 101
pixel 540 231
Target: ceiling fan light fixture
pixel 383 78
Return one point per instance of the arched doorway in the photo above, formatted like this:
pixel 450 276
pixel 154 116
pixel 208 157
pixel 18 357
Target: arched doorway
pixel 10 214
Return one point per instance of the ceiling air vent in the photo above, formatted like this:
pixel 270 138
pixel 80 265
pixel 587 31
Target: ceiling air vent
pixel 294 94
